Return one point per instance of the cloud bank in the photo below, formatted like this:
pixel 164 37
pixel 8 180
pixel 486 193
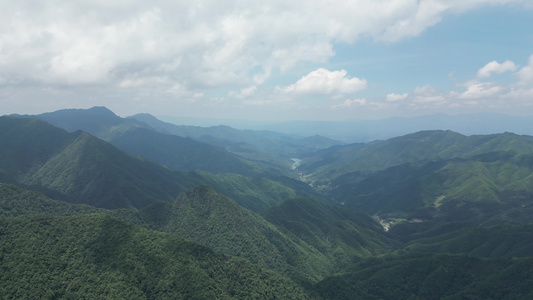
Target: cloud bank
pixel 208 52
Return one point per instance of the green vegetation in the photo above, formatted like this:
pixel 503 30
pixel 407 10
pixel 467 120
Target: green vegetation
pixel 432 276
pixel 430 215
pixel 343 235
pixel 218 222
pixel 96 256
pixel 488 188
pixel 420 147
pixel 255 193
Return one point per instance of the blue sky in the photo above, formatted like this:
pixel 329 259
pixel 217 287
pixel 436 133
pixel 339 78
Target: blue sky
pixel 268 61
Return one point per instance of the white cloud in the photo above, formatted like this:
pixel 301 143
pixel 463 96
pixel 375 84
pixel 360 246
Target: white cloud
pixel 396 97
pixel 322 81
pixel 477 90
pixel 494 67
pixel 244 93
pixel 525 75
pixel 201 44
pixel 428 94
pixel 349 103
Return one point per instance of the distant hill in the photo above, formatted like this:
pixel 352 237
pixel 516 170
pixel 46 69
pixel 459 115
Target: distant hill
pixel 487 188
pixel 364 131
pixel 419 147
pixel 253 144
pixel 175 152
pixel 80 168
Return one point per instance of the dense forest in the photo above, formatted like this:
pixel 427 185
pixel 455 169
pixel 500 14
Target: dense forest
pixel 97 206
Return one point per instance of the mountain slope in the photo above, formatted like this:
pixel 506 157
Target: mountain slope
pixel 337 232
pixel 255 145
pixel 432 276
pixel 218 222
pixel 175 152
pixel 96 256
pixel 80 168
pixel 489 188
pixel 420 147
pixel 182 154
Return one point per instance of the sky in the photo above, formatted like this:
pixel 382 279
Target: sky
pixel 268 60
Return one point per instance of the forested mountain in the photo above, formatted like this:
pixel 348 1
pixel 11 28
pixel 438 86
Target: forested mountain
pixel 175 152
pixel 80 168
pixel 248 143
pixel 419 147
pixel 216 221
pixel 96 256
pixel 429 215
pixel 486 188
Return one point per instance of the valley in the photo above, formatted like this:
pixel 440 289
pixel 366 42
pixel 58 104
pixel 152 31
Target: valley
pixel 93 205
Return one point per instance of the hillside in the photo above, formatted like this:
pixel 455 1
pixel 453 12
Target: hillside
pixel 218 222
pixel 248 143
pixel 419 147
pixel 173 151
pixel 489 188
pixel 432 276
pixel 337 232
pixel 96 256
pixel 80 168
pixel 431 215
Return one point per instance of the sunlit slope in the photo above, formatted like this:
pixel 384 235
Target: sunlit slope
pixel 216 221
pixel 338 232
pixel 424 146
pixel 256 193
pixel 485 188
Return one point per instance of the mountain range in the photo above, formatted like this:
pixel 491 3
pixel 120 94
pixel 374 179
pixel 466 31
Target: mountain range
pixel 93 205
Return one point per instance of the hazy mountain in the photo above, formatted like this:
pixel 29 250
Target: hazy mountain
pixel 175 152
pixel 80 168
pixel 248 143
pixel 381 129
pixel 424 146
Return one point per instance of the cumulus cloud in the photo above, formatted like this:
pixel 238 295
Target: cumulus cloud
pixel 396 97
pixel 322 81
pixel 477 90
pixel 494 67
pixel 201 44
